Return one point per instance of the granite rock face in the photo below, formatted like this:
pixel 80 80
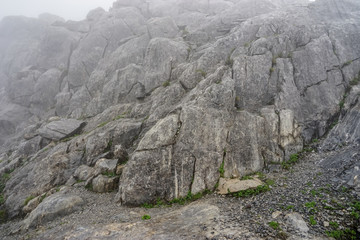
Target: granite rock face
pixel 171 91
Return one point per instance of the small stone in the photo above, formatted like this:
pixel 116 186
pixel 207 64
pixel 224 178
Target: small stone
pixel 103 184
pixel 106 165
pixel 297 222
pixel 326 224
pixel 236 185
pixel 276 214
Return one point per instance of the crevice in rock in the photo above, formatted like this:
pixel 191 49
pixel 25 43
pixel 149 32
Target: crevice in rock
pixel 302 93
pixel 87 72
pixel 193 175
pixel 127 25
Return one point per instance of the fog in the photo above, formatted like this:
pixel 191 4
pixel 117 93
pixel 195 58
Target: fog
pixel 68 9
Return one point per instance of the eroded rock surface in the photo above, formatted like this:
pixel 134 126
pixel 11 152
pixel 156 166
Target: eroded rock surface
pixel 167 101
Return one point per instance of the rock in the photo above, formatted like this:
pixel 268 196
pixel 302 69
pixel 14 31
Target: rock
pixel 104 165
pixel 121 154
pixel 185 223
pixel 52 207
pixel 84 172
pixel 163 27
pixel 326 224
pixel 296 221
pixel 102 184
pixel 61 129
pixel 120 169
pixel 276 214
pixel 236 185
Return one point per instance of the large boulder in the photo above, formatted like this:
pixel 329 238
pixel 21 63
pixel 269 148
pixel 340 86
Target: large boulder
pixel 52 207
pixel 61 129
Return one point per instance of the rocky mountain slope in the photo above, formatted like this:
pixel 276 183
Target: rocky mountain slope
pixel 159 100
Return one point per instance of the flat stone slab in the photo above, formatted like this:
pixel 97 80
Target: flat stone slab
pixel 52 207
pixel 235 185
pixel 61 129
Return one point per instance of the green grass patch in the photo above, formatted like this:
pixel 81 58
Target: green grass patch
pixel 310 204
pixel 28 199
pixel 146 217
pixel 102 124
pixel 251 192
pixel 312 220
pixel 2 199
pixel 221 169
pixel 166 83
pixel 290 207
pixel 3 216
pixel 274 225
pixel 342 234
pixel 294 158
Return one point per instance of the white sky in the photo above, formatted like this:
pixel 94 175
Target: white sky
pixel 68 9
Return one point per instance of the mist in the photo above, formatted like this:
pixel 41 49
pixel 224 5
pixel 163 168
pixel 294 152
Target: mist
pixel 68 9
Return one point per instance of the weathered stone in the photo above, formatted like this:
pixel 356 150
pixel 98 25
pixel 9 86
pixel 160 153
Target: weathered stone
pixel 236 185
pixel 121 154
pixel 61 129
pixel 296 221
pixel 84 172
pixel 52 207
pixel 102 184
pixel 185 223
pixel 104 165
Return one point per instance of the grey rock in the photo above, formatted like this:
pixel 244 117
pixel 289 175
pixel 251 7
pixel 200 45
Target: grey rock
pixel 104 165
pixel 61 129
pixel 296 221
pixel 52 207
pixel 84 172
pixel 185 223
pixel 102 184
pixel 236 185
pixel 162 27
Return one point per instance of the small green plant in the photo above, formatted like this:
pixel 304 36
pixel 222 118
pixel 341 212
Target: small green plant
pixel 246 178
pixel 102 124
pixel 347 63
pixel 274 225
pixel 315 140
pixel 341 104
pixel 42 198
pixel 342 234
pixel 146 217
pixel 246 45
pixel 355 81
pixel 119 117
pixel 166 83
pixel 28 199
pixel 312 220
pixel 310 204
pixel 108 146
pixel 272 69
pixel 333 124
pixel 2 199
pixel 270 182
pixel 344 189
pixel 294 158
pixel 221 169
pixel 3 216
pixel 202 72
pixel 334 225
pixel 109 174
pixel 251 192
pixel 290 207
pixel 148 205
